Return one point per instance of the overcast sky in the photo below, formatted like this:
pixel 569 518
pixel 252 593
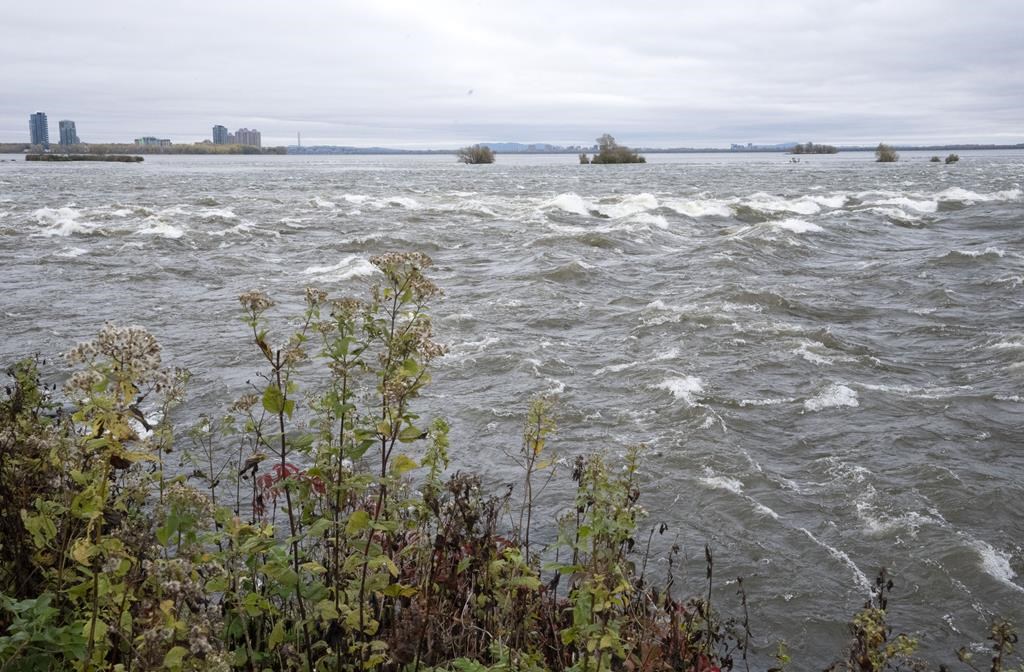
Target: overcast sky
pixel 442 73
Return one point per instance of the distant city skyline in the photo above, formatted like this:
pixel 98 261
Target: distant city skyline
pixel 447 73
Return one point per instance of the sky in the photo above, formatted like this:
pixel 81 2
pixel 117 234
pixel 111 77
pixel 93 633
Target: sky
pixel 445 73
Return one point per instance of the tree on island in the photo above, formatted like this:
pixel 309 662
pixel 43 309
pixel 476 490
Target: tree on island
pixel 811 148
pixel 885 154
pixel 475 154
pixel 610 151
pixel 952 158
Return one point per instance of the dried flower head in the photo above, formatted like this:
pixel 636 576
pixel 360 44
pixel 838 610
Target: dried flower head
pixel 255 302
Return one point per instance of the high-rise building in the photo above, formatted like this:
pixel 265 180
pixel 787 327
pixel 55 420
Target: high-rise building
pixel 245 136
pixel 68 134
pixel 220 135
pixel 39 129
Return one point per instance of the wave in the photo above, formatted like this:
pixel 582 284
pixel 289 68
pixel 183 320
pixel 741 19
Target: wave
pixel 62 222
pixel 833 396
pixel 71 252
pixel 685 388
pixel 349 267
pixel 796 226
pixel 995 563
pixel 711 479
pixel 699 208
pixel 858 576
pixel 161 229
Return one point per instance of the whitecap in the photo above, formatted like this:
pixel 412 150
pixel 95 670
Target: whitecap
pixel 797 226
pixel 918 205
pixel 700 208
pixel 349 267
pixel 162 229
pixel 209 213
pixel 713 480
pixel 652 220
pixel 356 199
pixel 995 563
pixel 859 576
pixel 966 196
pixel 765 402
pixel 833 396
pixel 62 222
pixel 769 203
pixel 323 203
pixel 571 203
pixel 685 388
pixel 71 252
pixel 402 202
pixel 632 204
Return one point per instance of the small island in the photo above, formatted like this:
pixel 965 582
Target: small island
pixel 476 154
pixel 120 158
pixel 610 151
pixel 811 148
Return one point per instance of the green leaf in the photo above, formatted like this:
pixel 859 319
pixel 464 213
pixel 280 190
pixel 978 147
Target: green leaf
pixel 410 368
pixel 357 522
pixel 273 400
pixel 318 528
pixel 276 635
pixel 174 658
pixel 402 464
pixel 410 434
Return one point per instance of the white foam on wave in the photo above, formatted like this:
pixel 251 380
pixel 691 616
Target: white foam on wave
pixel 966 196
pixel 71 252
pixel 771 203
pixel 649 219
pixel 858 576
pixel 402 202
pixel 569 202
pixel 713 480
pixel 765 402
pixel 833 396
pixel 671 353
pixel 814 358
pixel 349 267
pixel 323 203
pixel 934 392
pixel 797 226
pixel 1012 343
pixel 700 208
pixel 987 252
pixel 925 205
pixel 995 563
pixel 356 199
pixel 632 204
pixel 161 229
pixel 209 213
pixel 685 388
pixel 62 222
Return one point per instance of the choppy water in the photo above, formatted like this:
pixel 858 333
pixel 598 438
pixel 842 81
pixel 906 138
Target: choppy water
pixel 825 358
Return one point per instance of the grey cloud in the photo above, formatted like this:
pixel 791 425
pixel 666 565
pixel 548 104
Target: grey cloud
pixel 398 73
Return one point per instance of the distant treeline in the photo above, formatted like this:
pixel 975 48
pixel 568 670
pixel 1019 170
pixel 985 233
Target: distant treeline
pixel 811 148
pixel 126 148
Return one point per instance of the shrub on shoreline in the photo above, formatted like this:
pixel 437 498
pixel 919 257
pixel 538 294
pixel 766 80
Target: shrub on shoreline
pixel 315 529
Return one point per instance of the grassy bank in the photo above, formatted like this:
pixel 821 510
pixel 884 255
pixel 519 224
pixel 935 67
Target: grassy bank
pixel 317 528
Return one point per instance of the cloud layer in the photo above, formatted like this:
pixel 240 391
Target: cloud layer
pixel 441 73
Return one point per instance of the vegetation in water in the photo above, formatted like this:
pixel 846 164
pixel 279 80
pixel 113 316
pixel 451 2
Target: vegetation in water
pixel 610 151
pixel 952 158
pixel 475 154
pixel 811 148
pixel 885 154
pixel 314 526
